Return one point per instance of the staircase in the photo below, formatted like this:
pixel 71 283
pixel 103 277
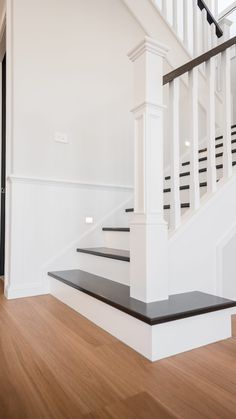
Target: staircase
pixel 126 285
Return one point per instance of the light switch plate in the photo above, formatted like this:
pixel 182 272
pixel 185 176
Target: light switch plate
pixel 61 137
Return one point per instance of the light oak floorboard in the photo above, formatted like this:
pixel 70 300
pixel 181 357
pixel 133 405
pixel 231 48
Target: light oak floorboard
pixel 55 364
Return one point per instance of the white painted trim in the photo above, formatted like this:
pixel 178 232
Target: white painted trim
pixel 219 257
pixel 26 290
pixel 152 107
pixel 153 342
pixel 180 41
pixel 148 45
pixel 127 329
pixel 183 335
pixel 64 182
pixel 9 134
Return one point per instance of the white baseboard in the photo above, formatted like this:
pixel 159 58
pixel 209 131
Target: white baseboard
pixel 153 342
pixel 26 290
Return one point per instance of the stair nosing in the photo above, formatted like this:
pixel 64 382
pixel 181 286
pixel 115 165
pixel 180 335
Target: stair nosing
pixel 104 254
pixel 117 229
pixel 205 158
pixel 165 207
pixel 204 169
pixel 118 297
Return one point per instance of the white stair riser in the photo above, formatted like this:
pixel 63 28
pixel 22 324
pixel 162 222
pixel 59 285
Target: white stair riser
pixel 117 239
pixel 115 270
pixel 129 215
pixel 153 342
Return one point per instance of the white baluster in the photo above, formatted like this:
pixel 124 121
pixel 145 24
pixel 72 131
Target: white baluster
pixel 175 16
pixel 194 174
pixel 226 93
pixel 204 30
pixel 175 211
pixel 213 36
pixel 211 151
pixel 209 37
pixel 195 28
pixel 164 8
pixel 185 23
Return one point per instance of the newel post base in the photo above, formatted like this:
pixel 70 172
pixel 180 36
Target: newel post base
pixel 148 229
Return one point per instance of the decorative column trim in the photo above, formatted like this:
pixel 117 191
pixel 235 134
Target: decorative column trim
pixel 148 229
pixel 148 45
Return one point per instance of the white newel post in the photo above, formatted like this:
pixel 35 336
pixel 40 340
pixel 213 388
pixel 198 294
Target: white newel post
pixel 148 229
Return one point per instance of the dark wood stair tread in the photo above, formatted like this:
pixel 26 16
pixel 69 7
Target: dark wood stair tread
pixel 165 207
pixel 118 229
pixel 107 252
pixel 183 174
pixel 186 187
pixel 203 150
pixel 177 307
pixel 205 158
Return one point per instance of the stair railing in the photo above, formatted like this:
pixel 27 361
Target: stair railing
pixel 195 22
pixel 172 79
pixel 148 228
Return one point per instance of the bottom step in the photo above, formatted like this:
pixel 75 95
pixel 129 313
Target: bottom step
pixel 156 330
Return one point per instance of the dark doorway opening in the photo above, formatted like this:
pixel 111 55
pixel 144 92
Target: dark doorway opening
pixel 3 171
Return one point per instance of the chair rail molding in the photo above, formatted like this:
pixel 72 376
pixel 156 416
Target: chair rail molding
pixel 66 182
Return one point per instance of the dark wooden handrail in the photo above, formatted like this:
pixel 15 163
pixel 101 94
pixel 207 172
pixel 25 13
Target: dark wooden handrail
pixel 210 18
pixel 199 60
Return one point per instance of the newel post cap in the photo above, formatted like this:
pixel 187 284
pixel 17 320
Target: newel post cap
pixel 148 45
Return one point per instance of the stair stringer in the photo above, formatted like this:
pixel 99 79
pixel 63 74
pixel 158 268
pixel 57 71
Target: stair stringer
pixel 193 249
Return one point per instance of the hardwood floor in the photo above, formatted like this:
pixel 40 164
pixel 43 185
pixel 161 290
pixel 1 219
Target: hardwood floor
pixel 56 364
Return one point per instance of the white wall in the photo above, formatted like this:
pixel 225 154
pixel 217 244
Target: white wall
pixel 72 75
pixel 48 224
pixel 228 268
pixel 68 71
